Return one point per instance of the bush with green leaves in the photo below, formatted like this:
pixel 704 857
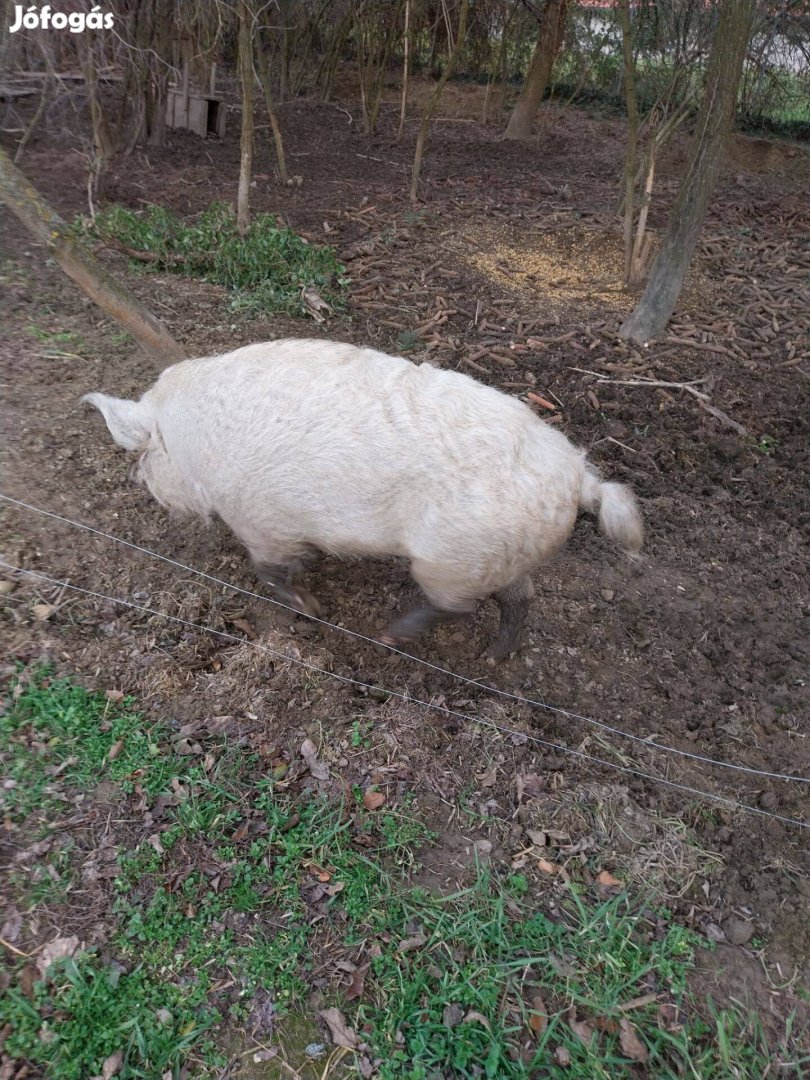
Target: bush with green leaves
pixel 266 269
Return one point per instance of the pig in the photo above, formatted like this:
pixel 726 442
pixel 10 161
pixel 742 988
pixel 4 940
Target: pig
pixel 304 446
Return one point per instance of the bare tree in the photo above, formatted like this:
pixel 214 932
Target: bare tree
pixel 436 96
pixel 51 231
pixel 406 44
pixel 669 270
pixel 246 23
pixel 263 59
pixel 551 20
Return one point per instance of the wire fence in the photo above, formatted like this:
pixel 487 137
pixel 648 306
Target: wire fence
pixel 503 729
pixel 648 741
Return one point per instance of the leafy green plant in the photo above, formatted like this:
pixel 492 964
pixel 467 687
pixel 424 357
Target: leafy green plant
pixel 266 269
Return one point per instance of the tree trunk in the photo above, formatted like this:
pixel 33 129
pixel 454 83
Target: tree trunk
pixel 631 156
pixel 669 270
pixel 263 57
pixel 406 44
pixel 49 229
pixel 549 39
pixel 436 97
pixel 246 81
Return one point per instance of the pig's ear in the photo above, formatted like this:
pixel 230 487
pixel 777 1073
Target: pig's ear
pixel 129 421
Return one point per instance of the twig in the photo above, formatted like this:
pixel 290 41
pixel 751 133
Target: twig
pixel 15 950
pixel 609 438
pixel 724 418
pixel 689 386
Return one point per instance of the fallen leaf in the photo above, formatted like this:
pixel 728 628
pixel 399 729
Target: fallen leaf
pixel 310 756
pixel 245 627
pixel 606 878
pixel 6 588
pixel 42 611
pixel 452 1015
pixel 115 750
pixel 639 1002
pixel 265 1055
pixel 319 872
pixel 114 695
pixel 365 1067
pixel 112 1065
pixel 477 1017
pixel 632 1046
pixel 547 867
pixel 55 950
pixel 416 941
pixel 241 832
pixel 342 1034
pixel 538 1015
pixel 562 1056
pixel 11 928
pixel 607 1024
pixel 488 778
pixel 538 837
pixel 581 1028
pixel 357 985
pixel 561 966
pixel 154 840
pixel 373 800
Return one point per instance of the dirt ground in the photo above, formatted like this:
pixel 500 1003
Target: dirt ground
pixel 508 269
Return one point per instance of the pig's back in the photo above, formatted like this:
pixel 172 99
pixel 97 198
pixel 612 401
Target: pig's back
pixel 358 452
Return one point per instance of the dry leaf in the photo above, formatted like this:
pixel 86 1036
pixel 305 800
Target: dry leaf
pixel 478 1017
pixel 342 1034
pixel 452 1015
pixel 115 750
pixel 11 928
pixel 42 611
pixel 488 778
pixel 6 588
pixel 112 1065
pixel 581 1028
pixel 606 878
pixel 154 840
pixel 607 1023
pixel 373 800
pixel 310 756
pixel 55 950
pixel 241 832
pixel 416 941
pixel 319 872
pixel 562 1056
pixel 632 1046
pixel 538 1016
pixel 357 985
pixel 547 867
pixel 637 1003
pixel 537 837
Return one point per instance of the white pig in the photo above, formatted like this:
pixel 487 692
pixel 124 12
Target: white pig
pixel 299 445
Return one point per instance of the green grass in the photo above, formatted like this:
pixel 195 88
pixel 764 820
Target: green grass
pixel 265 269
pixel 247 886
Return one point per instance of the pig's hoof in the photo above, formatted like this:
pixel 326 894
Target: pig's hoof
pixel 305 602
pixel 496 652
pixel 390 640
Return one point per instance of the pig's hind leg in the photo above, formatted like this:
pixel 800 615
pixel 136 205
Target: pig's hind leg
pixel 448 601
pixel 513 600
